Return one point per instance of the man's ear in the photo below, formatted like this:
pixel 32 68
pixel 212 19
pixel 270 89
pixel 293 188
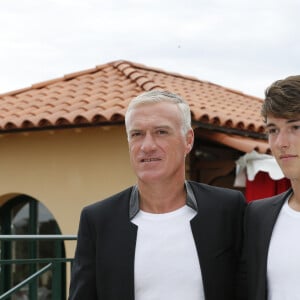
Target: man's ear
pixel 190 140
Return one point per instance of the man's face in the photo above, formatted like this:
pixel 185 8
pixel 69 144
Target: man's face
pixel 157 146
pixel 284 141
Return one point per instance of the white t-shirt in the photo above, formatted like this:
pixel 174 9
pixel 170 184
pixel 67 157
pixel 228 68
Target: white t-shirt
pixel 283 266
pixel 166 260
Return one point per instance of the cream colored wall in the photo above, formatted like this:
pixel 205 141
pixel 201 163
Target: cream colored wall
pixel 65 170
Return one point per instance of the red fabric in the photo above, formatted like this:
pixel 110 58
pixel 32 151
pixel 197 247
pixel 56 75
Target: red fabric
pixel 263 186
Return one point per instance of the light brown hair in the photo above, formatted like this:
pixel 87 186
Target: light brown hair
pixel 282 99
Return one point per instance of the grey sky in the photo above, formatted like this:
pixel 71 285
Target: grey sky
pixel 243 45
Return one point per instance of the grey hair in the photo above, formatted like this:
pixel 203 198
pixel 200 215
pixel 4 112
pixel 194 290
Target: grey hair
pixel 156 96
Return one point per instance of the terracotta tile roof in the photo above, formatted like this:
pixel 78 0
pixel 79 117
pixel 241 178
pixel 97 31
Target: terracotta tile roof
pixel 100 96
pixel 241 143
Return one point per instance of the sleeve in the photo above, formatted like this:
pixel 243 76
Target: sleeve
pixel 242 285
pixel 83 274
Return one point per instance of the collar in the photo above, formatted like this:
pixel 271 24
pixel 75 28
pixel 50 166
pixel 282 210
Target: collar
pixel 134 201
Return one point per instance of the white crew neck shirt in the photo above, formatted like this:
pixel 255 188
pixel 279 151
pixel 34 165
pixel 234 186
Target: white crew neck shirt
pixel 283 266
pixel 166 259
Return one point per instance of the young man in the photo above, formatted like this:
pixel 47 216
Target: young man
pixel 272 225
pixel 165 237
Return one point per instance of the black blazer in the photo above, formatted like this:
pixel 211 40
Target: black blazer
pixel 103 268
pixel 260 218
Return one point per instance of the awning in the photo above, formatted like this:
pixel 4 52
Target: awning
pixel 248 165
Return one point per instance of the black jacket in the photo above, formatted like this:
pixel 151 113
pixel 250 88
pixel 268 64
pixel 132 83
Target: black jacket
pixel 260 218
pixel 103 268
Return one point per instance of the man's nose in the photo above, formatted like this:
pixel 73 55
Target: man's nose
pixel 148 143
pixel 282 140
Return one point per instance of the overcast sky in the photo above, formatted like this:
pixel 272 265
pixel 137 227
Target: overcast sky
pixel 240 44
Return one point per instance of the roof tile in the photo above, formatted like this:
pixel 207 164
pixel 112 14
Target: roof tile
pixel 101 95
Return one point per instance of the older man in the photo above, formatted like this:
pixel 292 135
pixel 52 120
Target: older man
pixel 165 237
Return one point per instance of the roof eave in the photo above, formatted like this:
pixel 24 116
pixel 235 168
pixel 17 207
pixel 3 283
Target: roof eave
pixel 230 130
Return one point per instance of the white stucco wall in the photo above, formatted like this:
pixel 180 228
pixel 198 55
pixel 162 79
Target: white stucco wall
pixel 65 169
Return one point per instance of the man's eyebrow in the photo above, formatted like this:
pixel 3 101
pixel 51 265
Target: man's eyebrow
pixel 162 126
pixel 287 122
pixel 134 130
pixel 293 120
pixel 270 124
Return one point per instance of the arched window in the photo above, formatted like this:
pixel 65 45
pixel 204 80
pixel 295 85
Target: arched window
pixel 24 215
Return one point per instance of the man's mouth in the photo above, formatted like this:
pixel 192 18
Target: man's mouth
pixel 286 156
pixel 150 159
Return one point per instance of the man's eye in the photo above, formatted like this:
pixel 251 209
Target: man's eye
pixel 135 134
pixel 162 132
pixel 271 131
pixel 296 127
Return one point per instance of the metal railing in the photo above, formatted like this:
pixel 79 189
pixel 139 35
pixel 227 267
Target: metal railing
pixel 51 262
